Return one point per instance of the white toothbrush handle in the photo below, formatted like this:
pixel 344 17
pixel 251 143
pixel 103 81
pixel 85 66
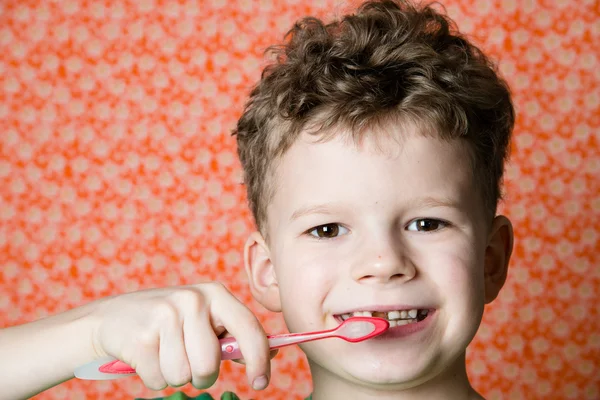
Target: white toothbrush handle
pixel 91 370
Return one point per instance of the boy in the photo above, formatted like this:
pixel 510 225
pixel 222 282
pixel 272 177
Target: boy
pixel 373 152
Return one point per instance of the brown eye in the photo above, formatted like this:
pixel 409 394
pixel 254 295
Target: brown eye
pixel 426 225
pixel 328 231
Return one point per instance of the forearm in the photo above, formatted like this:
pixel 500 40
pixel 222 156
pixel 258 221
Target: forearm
pixel 44 353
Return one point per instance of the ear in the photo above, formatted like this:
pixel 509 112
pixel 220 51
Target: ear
pixel 261 272
pixel 497 255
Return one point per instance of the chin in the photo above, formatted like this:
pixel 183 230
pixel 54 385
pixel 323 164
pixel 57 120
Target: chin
pixel 375 371
pixel 387 380
pixel 393 371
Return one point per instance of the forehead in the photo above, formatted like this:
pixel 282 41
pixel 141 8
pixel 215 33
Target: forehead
pixel 386 167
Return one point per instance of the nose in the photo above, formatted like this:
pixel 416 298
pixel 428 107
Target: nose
pixel 384 261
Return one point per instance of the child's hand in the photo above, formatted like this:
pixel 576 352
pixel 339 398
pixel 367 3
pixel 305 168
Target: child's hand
pixel 170 335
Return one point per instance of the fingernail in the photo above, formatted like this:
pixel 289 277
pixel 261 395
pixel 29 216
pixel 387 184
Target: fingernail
pixel 260 383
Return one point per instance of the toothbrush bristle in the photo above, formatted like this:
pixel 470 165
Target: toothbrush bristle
pixel 357 329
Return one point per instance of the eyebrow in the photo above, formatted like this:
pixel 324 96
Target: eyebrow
pixel 328 208
pixel 436 202
pixel 325 208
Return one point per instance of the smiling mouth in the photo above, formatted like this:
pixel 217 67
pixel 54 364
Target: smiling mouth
pixel 395 317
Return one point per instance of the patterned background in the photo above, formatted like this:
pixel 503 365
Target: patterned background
pixel 117 172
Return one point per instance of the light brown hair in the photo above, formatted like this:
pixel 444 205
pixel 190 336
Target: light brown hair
pixel 391 60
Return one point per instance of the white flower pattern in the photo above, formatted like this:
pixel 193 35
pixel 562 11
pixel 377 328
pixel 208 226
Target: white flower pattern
pixel 118 172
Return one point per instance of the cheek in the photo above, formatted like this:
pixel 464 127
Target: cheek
pixel 305 279
pixel 302 266
pixel 462 285
pixel 457 271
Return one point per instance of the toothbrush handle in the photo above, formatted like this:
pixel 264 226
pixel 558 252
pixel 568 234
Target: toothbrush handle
pixel 231 351
pixel 287 339
pixel 112 368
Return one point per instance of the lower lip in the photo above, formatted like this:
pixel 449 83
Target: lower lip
pixel 406 330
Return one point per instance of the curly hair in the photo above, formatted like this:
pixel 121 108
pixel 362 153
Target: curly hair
pixel 392 61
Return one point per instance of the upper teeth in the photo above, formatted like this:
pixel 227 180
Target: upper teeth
pixel 390 315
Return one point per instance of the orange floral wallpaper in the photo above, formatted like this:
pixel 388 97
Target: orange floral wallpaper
pixel 118 172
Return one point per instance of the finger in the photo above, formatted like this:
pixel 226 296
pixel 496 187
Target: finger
pixel 148 366
pixel 272 355
pixel 201 343
pixel 243 325
pixel 203 350
pixel 172 353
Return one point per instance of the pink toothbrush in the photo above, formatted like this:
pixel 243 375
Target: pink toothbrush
pixel 355 329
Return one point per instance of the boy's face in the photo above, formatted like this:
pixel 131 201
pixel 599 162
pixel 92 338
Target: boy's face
pixel 353 228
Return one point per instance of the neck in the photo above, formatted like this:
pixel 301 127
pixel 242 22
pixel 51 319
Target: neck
pixel 452 383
